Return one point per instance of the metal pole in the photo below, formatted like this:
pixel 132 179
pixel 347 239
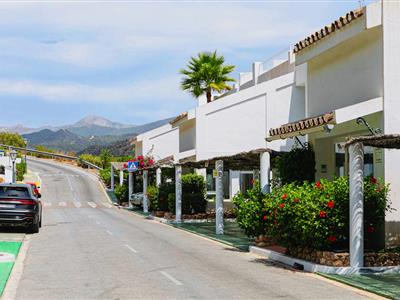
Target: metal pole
pixel 356 156
pixel 219 198
pixel 145 198
pixel 13 172
pixel 178 193
pixel 112 178
pixel 130 189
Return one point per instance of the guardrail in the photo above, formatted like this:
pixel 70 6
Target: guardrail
pixel 30 150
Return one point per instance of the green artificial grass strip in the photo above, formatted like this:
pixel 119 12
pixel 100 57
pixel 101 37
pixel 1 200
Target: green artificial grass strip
pixel 233 235
pixel 6 267
pixel 386 285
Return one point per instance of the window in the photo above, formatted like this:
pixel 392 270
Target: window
pixel 2 170
pixel 14 192
pixel 340 160
pixel 210 181
pixel 246 179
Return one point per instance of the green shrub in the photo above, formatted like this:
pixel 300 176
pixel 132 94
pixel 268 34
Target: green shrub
pixel 21 170
pixel 193 194
pixel 297 165
pixel 171 203
pixel 164 190
pixel 89 158
pixel 311 215
pixel 152 196
pixel 105 158
pixel 105 176
pixel 121 192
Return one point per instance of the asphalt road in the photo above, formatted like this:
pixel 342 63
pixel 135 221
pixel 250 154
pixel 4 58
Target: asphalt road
pixel 88 249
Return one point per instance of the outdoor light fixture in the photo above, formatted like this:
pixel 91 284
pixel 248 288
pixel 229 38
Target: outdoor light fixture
pixel 13 157
pixel 328 128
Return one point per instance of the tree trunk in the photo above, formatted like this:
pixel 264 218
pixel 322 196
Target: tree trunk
pixel 209 96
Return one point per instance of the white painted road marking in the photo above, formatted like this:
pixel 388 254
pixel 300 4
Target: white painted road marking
pixel 107 205
pixel 92 204
pixel 46 204
pixel 109 232
pixel 62 203
pixel 177 282
pixel 130 248
pixel 77 204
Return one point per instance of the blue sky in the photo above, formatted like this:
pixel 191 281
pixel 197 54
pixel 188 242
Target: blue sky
pixel 121 60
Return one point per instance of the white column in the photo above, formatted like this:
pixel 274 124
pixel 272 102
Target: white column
pixel 130 188
pixel 178 193
pixel 264 172
pixel 356 174
pixel 256 71
pixel 112 178
pixel 145 199
pixel 121 177
pixel 158 177
pixel 219 198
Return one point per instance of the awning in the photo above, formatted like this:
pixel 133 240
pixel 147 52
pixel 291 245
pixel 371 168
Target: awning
pixel 301 127
pixel 388 141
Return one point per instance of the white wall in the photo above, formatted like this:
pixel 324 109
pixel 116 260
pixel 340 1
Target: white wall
pixel 6 162
pixel 241 121
pixel 187 135
pixel 162 142
pixel 347 74
pixel 391 42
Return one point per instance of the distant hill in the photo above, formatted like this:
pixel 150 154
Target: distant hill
pixel 90 135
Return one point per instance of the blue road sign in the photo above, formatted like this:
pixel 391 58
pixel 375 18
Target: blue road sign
pixel 132 166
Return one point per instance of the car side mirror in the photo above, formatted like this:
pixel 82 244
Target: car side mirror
pixel 39 195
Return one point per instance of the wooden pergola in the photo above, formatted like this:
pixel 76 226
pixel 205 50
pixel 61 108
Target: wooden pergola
pixel 355 146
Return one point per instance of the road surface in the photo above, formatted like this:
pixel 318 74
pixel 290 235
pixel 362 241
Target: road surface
pixel 88 249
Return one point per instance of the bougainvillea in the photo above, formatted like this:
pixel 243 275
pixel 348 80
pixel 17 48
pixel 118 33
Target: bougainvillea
pixel 312 214
pixel 142 161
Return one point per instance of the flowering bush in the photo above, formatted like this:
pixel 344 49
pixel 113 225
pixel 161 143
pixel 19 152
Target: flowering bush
pixel 313 215
pixel 143 162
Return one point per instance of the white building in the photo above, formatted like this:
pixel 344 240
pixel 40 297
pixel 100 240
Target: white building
pixel 344 71
pixel 350 69
pixel 6 169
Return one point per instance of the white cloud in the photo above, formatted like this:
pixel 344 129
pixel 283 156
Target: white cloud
pixel 139 92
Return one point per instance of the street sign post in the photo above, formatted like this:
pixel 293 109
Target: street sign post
pixel 132 166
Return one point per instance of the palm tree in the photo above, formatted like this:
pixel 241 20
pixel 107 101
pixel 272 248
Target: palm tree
pixel 206 73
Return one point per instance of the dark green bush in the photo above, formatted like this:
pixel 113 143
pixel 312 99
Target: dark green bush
pixel 152 196
pixel 21 170
pixel 121 192
pixel 164 190
pixel 314 215
pixel 193 194
pixel 297 165
pixel 105 176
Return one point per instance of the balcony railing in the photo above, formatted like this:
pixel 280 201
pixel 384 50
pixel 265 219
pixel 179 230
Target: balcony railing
pixel 274 60
pixel 245 77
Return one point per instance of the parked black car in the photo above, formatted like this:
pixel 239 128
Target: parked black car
pixel 20 207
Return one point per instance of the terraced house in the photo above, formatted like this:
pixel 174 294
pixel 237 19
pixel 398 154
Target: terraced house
pixel 341 81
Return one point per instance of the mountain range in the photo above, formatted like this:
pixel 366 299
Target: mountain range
pixel 88 135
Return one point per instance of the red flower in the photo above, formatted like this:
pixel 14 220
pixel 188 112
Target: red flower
pixel 318 185
pixel 332 238
pixel 150 162
pixel 125 165
pixel 331 204
pixel 296 200
pixel 371 229
pixel 322 214
pixel 373 180
pixel 282 205
pixel 140 157
pixel 284 196
pixel 265 218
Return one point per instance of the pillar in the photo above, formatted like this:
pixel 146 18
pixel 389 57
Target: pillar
pixel 265 170
pixel 178 193
pixel 356 177
pixel 121 177
pixel 219 198
pixel 130 188
pixel 145 198
pixel 158 177
pixel 112 178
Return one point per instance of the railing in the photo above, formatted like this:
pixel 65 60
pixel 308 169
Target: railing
pixel 30 150
pixel 274 60
pixel 245 77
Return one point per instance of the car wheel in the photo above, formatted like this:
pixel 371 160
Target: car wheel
pixel 34 228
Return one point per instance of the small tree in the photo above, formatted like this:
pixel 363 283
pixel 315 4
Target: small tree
pixel 206 73
pixel 105 157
